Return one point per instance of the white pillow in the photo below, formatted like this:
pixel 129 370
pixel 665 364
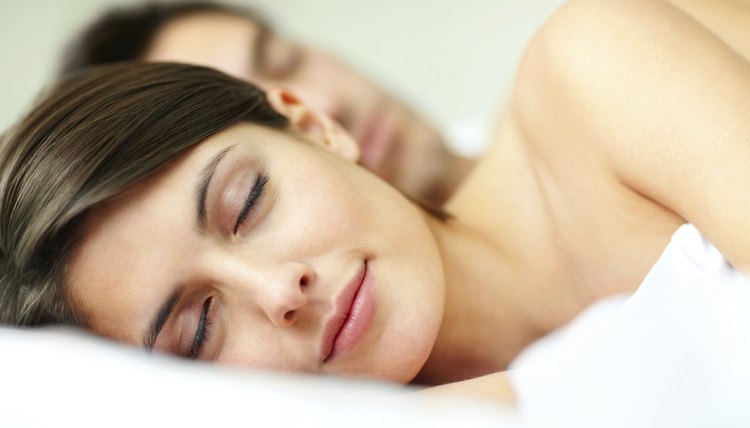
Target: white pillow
pixel 57 378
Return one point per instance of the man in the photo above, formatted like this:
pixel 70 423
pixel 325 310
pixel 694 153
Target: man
pixel 396 143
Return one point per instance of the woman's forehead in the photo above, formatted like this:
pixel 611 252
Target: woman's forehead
pixel 169 195
pixel 136 237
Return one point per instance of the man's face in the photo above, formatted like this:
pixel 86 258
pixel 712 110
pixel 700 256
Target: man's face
pixel 395 143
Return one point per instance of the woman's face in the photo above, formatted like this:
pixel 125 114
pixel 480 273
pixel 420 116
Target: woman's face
pixel 262 249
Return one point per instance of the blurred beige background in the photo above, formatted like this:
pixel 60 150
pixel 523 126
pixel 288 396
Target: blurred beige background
pixel 453 60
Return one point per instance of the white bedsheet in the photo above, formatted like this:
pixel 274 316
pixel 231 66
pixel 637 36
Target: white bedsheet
pixel 674 354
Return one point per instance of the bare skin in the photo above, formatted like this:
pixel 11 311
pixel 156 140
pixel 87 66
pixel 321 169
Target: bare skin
pixel 604 153
pixel 727 19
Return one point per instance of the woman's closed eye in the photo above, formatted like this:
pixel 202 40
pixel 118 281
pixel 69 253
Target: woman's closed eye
pixel 252 199
pixel 203 330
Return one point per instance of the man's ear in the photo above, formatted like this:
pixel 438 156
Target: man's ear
pixel 316 126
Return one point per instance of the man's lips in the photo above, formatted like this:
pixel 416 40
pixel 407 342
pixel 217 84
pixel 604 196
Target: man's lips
pixel 351 318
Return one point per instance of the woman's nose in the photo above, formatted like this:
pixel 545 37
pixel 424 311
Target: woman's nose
pixel 277 289
pixel 285 293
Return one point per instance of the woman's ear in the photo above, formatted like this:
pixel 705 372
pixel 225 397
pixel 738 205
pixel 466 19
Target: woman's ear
pixel 316 126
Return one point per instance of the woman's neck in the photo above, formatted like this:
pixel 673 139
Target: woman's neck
pixel 494 306
pixel 482 326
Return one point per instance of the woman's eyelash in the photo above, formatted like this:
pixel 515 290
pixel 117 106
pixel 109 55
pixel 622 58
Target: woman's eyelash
pixel 252 198
pixel 203 330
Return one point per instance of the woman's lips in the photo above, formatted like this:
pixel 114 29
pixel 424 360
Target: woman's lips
pixel 355 308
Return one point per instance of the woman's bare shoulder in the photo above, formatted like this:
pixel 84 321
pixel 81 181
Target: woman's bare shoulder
pixel 659 95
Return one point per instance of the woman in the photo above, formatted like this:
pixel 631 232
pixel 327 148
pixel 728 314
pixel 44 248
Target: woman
pixel 171 207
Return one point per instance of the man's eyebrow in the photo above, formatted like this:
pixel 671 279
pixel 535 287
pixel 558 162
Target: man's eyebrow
pixel 259 44
pixel 160 319
pixel 202 189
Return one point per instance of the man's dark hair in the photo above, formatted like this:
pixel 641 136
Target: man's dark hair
pixel 125 34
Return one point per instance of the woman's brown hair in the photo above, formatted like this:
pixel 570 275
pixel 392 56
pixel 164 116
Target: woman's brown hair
pixel 95 135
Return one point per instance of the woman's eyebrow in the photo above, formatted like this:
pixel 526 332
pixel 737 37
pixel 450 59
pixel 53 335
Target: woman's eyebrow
pixel 161 318
pixel 202 188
